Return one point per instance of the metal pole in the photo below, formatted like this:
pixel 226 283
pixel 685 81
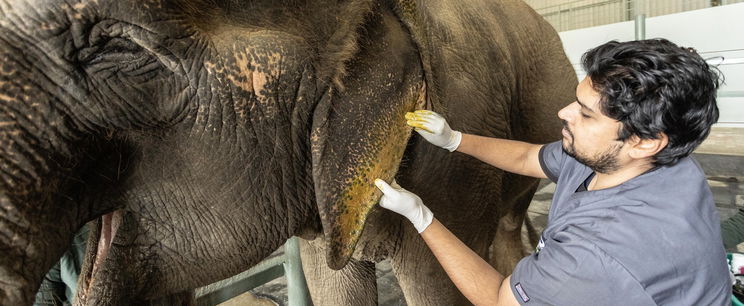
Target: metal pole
pixel 297 292
pixel 640 27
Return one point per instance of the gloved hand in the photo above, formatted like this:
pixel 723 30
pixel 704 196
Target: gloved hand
pixel 405 203
pixel 434 129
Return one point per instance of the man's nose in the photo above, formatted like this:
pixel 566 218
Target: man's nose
pixel 565 113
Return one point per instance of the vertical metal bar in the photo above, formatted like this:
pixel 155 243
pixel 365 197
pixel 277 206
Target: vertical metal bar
pixel 640 27
pixel 297 292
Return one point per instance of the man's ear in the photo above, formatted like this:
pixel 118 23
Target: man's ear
pixel 647 148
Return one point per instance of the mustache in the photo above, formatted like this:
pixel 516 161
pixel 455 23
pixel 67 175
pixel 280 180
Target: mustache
pixel 565 126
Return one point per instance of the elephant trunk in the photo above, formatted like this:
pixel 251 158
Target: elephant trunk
pixel 36 223
pixel 27 255
pixel 34 226
pixel 41 148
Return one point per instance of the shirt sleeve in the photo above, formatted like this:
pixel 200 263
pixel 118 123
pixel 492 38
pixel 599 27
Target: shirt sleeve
pixel 551 158
pixel 570 270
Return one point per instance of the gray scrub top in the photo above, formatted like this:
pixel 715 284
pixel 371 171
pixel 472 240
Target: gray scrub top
pixel 654 239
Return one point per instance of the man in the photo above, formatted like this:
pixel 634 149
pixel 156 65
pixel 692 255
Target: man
pixel 632 221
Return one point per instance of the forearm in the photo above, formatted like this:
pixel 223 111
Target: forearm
pixel 473 276
pixel 509 155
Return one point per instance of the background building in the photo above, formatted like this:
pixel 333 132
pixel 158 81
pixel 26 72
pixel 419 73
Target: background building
pixel 715 28
pixel 567 15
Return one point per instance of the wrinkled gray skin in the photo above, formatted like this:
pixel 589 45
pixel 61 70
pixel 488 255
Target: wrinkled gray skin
pixel 200 135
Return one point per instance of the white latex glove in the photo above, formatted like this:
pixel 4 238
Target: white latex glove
pixel 434 129
pixel 405 203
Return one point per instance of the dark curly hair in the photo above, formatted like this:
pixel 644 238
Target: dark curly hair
pixel 654 86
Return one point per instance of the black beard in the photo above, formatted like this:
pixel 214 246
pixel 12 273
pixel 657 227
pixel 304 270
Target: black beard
pixel 605 162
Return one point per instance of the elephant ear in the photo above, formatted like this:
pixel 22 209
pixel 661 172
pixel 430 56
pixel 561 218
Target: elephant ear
pixel 359 131
pixel 410 16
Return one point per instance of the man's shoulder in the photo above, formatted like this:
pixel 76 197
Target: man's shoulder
pixel 686 169
pixel 683 181
pixel 650 243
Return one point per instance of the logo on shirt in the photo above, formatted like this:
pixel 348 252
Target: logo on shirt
pixel 520 291
pixel 540 245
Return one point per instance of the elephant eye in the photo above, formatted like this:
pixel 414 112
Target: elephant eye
pixel 104 50
pixel 119 55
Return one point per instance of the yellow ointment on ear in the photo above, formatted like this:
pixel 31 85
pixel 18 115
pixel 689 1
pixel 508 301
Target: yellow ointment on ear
pixel 419 115
pixel 418 125
pixel 417 121
pixel 360 195
pixel 378 183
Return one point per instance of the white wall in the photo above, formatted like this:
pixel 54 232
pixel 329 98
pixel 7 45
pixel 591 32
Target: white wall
pixel 713 32
pixel 567 15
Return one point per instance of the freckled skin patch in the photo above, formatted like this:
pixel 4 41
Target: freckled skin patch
pixel 252 79
pixel 255 63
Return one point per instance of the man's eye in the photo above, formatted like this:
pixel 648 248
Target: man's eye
pixel 585 115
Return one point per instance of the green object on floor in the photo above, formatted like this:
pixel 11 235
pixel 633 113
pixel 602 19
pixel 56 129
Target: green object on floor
pixel 289 264
pixel 734 300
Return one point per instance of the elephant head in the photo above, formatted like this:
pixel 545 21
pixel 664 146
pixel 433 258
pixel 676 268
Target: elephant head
pixel 199 133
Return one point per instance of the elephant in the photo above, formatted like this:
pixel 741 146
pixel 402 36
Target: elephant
pixel 196 136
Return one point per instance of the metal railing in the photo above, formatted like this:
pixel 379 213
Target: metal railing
pixel 287 264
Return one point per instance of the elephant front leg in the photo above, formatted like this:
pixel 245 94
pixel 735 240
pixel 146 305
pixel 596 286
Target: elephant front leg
pixel 354 285
pixel 420 276
pixel 508 247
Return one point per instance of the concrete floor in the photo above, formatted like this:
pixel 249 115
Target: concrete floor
pixel 725 177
